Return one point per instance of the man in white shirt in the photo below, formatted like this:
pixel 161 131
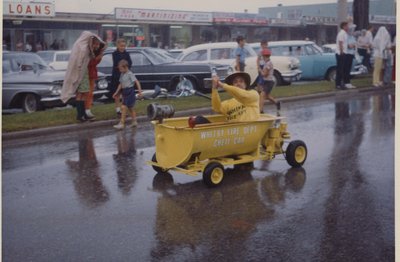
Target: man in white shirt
pixel 341 51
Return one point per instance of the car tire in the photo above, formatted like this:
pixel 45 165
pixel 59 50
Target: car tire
pixel 277 79
pixel 331 75
pixel 175 83
pixel 31 103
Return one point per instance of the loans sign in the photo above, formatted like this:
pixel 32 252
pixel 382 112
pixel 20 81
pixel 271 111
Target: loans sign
pixel 28 9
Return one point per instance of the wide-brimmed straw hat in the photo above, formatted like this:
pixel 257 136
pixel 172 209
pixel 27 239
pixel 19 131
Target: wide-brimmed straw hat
pixel 229 79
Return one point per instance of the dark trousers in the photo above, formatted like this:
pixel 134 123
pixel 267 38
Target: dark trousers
pixel 347 68
pixel 340 64
pixel 366 57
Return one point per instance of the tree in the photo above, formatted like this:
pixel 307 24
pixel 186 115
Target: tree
pixel 361 14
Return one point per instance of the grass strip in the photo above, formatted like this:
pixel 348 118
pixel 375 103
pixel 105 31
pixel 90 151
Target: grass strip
pixel 49 118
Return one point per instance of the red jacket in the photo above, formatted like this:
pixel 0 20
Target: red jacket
pixel 92 66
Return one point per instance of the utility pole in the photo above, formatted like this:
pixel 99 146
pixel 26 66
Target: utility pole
pixel 341 11
pixel 361 13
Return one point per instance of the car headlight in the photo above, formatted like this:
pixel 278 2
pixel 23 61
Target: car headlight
pixel 102 84
pixel 231 70
pixel 294 64
pixel 55 90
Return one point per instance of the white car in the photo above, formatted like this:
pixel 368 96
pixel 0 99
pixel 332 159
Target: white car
pixel 58 60
pixel 286 69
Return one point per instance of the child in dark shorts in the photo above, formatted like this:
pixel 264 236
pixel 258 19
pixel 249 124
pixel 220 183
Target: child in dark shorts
pixel 266 82
pixel 127 83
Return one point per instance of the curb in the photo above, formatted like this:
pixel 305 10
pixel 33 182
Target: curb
pixel 204 110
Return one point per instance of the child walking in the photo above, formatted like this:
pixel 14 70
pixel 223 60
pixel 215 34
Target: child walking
pixel 119 54
pixel 127 83
pixel 266 82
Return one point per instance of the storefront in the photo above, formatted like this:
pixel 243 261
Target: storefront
pixel 228 26
pixel 35 26
pixel 163 28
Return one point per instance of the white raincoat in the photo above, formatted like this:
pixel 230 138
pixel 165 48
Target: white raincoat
pixel 381 42
pixel 81 54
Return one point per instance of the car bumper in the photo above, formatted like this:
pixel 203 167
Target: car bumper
pixel 291 76
pixel 56 101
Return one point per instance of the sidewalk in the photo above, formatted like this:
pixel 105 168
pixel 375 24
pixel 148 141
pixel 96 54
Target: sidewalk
pixel 206 110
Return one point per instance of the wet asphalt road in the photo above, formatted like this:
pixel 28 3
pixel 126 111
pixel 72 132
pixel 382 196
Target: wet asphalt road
pixel 89 196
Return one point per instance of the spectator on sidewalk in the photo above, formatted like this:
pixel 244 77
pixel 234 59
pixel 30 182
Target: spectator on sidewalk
pixel 341 51
pixel 382 45
pixel 119 54
pixel 364 49
pixel 76 81
pixel 240 54
pixel 349 56
pixel 92 70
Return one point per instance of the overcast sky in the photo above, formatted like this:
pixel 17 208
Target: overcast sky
pixel 107 6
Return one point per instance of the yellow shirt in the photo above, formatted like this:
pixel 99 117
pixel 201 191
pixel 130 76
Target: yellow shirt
pixel 244 106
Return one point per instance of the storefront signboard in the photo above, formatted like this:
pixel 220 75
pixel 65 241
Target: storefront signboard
pixel 28 9
pixel 162 15
pixel 319 20
pixel 239 18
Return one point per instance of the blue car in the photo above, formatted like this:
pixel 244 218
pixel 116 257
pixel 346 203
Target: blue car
pixel 315 64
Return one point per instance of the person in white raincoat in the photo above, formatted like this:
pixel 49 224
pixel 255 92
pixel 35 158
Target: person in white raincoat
pixel 382 46
pixel 76 82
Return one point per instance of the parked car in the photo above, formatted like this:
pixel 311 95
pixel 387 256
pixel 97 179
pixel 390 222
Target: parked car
pixel 56 59
pixel 286 69
pixel 29 83
pixel 175 52
pixel 315 64
pixel 331 48
pixel 153 67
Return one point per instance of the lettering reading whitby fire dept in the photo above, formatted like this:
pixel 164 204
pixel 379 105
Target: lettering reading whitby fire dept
pixel 228 136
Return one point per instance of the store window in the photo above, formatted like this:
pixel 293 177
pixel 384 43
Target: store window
pixel 133 34
pixel 180 36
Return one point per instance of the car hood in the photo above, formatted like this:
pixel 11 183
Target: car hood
pixel 41 76
pixel 199 65
pixel 32 77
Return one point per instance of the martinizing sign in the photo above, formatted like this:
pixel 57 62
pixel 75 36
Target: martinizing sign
pixel 162 15
pixel 28 9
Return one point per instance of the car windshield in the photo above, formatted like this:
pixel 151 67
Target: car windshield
pixel 22 61
pixel 46 56
pixel 158 56
pixel 319 49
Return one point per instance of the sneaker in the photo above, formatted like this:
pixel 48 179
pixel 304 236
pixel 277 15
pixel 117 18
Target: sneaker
pixel 278 105
pixel 134 124
pixel 120 126
pixel 349 86
pixel 89 113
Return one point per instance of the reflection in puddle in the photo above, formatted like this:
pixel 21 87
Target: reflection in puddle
pixel 85 175
pixel 193 216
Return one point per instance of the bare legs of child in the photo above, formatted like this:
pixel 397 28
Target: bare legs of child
pixel 124 110
pixel 267 96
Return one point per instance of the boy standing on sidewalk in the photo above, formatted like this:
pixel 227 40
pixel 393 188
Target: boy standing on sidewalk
pixel 117 56
pixel 240 54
